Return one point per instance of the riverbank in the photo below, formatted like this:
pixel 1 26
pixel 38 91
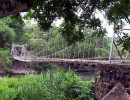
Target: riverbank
pixel 50 85
pixel 85 74
pixel 23 68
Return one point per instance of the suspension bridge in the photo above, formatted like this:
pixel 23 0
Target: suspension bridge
pixel 92 49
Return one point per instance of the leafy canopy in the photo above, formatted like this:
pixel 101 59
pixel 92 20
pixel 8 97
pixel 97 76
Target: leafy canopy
pixel 5 58
pixel 46 11
pixel 16 26
pixel 7 36
pixel 79 14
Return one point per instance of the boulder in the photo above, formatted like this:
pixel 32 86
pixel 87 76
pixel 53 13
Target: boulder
pixel 117 93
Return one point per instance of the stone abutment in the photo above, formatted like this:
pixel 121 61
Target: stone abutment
pixel 108 76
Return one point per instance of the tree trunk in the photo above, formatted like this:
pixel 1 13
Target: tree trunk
pixel 10 7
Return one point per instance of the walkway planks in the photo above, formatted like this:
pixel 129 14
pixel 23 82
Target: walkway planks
pixel 58 60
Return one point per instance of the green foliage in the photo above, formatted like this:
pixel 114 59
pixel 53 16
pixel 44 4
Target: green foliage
pixel 17 27
pixel 5 58
pixel 32 31
pixel 77 15
pixel 34 38
pixel 41 65
pixel 45 12
pixel 80 14
pixel 35 45
pixel 125 40
pixel 50 85
pixel 7 35
pixel 71 33
pixel 119 9
pixel 8 70
pixel 97 47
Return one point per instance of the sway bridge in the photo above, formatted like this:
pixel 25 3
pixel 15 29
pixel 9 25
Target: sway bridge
pixel 92 50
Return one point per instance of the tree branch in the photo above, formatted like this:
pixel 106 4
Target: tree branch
pixel 120 10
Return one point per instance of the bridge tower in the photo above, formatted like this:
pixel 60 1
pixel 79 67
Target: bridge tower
pixel 18 50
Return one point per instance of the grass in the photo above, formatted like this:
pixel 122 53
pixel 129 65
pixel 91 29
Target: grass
pixel 50 85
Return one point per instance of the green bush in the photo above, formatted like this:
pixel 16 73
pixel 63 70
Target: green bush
pixel 8 70
pixel 5 58
pixel 7 35
pixel 42 65
pixel 50 85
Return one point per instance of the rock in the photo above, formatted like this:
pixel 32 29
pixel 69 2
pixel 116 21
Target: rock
pixel 117 93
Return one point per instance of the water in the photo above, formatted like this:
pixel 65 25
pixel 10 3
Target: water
pixel 85 76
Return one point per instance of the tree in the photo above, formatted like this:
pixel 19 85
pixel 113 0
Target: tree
pixel 7 36
pixel 46 11
pixel 5 58
pixel 17 27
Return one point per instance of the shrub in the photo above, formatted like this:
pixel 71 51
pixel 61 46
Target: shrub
pixel 5 58
pixel 7 35
pixel 50 85
pixel 42 65
pixel 8 70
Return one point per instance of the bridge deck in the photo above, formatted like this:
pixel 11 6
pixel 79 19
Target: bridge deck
pixel 57 60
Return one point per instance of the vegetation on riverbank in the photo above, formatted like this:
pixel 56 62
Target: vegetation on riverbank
pixel 6 60
pixel 50 85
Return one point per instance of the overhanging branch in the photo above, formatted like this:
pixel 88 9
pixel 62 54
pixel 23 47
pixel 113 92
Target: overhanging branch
pixel 120 10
